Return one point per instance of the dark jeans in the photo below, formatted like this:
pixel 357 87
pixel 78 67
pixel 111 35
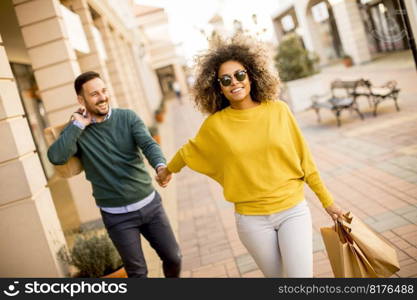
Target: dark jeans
pixel 125 231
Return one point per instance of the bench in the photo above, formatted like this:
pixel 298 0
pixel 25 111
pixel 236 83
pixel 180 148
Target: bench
pixel 342 96
pixel 385 92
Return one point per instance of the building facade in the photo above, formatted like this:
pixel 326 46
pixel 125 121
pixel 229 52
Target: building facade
pixel 44 45
pixel 163 55
pixel 359 28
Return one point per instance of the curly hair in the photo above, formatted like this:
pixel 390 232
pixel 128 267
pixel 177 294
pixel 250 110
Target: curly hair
pixel 248 52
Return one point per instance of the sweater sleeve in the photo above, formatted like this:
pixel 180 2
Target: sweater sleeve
pixel 176 163
pixel 311 173
pixel 199 153
pixel 65 146
pixel 145 142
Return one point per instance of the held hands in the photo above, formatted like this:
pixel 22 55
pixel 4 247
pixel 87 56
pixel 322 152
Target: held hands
pixel 334 211
pixel 163 176
pixel 82 116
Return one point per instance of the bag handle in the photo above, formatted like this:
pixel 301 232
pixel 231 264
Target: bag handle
pixel 343 230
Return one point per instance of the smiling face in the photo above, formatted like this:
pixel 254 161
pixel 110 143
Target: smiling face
pixel 234 83
pixel 95 97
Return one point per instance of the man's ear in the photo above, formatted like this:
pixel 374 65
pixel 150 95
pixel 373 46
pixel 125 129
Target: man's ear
pixel 81 100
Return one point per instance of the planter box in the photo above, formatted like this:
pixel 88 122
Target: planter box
pixel 299 91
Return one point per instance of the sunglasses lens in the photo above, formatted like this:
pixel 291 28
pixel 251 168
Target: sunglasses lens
pixel 226 80
pixel 240 76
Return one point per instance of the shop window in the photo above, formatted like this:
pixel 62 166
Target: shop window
pixel 34 110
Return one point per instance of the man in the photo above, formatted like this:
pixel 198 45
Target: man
pixel 107 140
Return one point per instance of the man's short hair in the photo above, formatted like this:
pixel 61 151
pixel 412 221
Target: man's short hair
pixel 83 78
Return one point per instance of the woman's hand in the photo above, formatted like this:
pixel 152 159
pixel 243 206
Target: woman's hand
pixel 334 211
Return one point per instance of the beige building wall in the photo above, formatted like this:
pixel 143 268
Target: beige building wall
pixel 142 102
pixel 124 67
pixel 153 24
pixel 149 79
pixel 349 24
pixel 55 66
pixel 113 65
pixel 351 30
pixel 29 226
pixel 92 61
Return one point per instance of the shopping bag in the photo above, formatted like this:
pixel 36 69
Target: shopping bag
pixel 73 166
pixel 355 250
pixel 380 253
pixel 346 259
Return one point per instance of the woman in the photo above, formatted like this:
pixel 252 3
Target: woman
pixel 253 147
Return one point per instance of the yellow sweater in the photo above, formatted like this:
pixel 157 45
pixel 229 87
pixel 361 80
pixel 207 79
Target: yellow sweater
pixel 259 157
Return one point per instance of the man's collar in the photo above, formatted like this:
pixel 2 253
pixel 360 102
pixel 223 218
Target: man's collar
pixel 93 120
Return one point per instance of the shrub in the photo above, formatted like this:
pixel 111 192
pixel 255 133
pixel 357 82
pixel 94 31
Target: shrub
pixel 293 61
pixel 93 254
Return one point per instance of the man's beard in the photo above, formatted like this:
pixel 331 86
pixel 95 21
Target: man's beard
pixel 96 111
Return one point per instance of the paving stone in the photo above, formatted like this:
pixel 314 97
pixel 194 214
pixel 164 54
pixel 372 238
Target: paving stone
pixel 408 271
pixel 406 162
pixel 406 209
pixel 411 228
pixel 388 224
pixel 245 263
pixel 411 216
pixel 318 244
pixel 253 274
pixel 369 220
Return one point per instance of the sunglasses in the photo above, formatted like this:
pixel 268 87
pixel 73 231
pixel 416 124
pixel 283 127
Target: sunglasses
pixel 226 80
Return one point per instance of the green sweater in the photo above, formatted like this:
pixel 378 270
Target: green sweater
pixel 109 152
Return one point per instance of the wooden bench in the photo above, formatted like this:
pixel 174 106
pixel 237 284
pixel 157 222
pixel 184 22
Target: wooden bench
pixel 342 96
pixel 388 91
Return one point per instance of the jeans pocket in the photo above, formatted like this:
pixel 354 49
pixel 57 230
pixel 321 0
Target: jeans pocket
pixel 108 219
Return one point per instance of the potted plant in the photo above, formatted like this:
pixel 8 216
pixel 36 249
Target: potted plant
pixel 159 115
pixel 347 60
pixel 154 131
pixel 160 112
pixel 93 255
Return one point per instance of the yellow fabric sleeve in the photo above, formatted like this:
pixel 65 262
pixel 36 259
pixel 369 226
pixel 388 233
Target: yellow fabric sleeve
pixel 176 163
pixel 311 174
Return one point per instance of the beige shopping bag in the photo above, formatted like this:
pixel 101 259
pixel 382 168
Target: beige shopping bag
pixel 355 250
pixel 73 166
pixel 345 257
pixel 380 253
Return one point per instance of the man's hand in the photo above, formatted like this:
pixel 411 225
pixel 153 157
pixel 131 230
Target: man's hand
pixel 163 176
pixel 82 116
pixel 334 211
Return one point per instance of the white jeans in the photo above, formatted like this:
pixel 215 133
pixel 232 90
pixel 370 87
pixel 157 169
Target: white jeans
pixel 282 243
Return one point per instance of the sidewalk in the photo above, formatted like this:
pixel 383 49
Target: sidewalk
pixel 370 167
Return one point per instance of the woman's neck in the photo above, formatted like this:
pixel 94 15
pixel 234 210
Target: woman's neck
pixel 244 104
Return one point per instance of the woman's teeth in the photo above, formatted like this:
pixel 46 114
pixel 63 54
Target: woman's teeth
pixel 236 90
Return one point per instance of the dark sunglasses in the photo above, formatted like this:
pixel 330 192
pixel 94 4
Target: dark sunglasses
pixel 226 80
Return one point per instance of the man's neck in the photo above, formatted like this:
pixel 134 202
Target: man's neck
pixel 100 118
